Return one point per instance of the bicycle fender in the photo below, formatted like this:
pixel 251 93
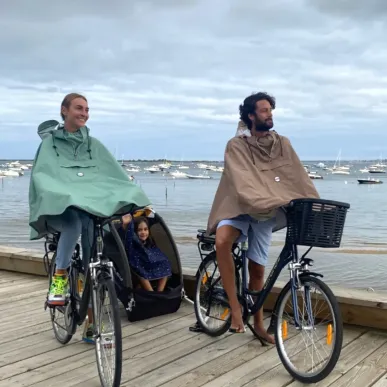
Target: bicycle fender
pixel 311 273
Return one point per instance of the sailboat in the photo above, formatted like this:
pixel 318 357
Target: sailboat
pixel 338 169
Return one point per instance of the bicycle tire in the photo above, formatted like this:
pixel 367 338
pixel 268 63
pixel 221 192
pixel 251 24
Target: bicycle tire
pixel 327 292
pixel 107 285
pixel 211 258
pixel 62 338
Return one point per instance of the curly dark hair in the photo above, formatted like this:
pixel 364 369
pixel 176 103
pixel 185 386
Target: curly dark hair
pixel 249 105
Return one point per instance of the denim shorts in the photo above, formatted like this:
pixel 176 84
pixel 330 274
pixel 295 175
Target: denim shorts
pixel 259 234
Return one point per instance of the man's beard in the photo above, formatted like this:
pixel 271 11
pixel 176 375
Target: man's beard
pixel 264 126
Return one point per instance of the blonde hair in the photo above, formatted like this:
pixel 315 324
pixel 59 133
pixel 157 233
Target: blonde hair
pixel 67 101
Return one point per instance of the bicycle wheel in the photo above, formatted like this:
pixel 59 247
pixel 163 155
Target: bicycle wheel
pixel 108 335
pixel 63 322
pixel 211 305
pixel 321 328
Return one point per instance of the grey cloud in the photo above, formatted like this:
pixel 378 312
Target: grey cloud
pixel 370 10
pixel 185 66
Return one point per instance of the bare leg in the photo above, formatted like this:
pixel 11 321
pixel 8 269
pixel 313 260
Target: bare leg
pixel 90 315
pixel 146 285
pixel 257 278
pixel 225 237
pixel 161 284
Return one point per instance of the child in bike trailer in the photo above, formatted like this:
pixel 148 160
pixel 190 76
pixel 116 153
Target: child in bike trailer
pixel 75 175
pixel 145 258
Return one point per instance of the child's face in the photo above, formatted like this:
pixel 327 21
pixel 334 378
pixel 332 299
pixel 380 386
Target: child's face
pixel 143 231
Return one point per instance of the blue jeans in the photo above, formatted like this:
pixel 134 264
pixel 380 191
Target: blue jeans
pixel 71 224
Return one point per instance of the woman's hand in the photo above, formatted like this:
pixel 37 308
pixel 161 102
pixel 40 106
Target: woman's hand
pixel 126 219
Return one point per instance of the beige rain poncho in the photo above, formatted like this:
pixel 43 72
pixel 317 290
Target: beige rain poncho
pixel 260 175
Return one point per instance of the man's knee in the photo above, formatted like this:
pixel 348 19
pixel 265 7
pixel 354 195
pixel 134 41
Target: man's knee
pixel 226 237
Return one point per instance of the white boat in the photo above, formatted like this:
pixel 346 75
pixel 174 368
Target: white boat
pixel 164 166
pixel 214 168
pixel 202 166
pixel 340 172
pixel 183 167
pixel 17 166
pixel 153 169
pixel 315 176
pixel 201 176
pixel 133 168
pixel 364 170
pixel 338 169
pixel 178 175
pixel 11 173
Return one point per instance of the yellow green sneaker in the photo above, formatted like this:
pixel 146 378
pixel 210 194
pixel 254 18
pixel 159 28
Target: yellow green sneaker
pixel 58 290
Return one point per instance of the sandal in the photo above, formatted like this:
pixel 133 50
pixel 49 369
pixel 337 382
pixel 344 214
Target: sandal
pixel 237 330
pixel 265 342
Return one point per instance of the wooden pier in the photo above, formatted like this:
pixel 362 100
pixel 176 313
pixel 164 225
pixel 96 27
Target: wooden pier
pixel 160 351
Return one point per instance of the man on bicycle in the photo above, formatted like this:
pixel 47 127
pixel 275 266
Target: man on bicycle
pixel 261 173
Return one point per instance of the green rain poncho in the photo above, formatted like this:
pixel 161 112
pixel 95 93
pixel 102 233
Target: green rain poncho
pixel 75 169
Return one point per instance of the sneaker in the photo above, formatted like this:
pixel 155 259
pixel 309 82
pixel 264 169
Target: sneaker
pixel 88 334
pixel 58 290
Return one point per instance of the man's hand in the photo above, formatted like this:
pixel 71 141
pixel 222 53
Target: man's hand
pixel 126 219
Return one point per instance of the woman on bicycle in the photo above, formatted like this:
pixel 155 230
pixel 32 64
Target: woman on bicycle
pixel 73 176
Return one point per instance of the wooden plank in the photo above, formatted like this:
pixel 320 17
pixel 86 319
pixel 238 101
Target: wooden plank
pixel 355 348
pixel 159 355
pixel 23 303
pixel 366 373
pixel 83 364
pixel 259 369
pixel 48 343
pixel 22 289
pixel 81 376
pixel 164 357
pixel 10 301
pixel 25 371
pixel 192 367
pixel 23 333
pixel 188 362
pixel 58 353
pixel 17 314
pixel 24 321
pixel 16 279
pixel 382 382
pixel 25 345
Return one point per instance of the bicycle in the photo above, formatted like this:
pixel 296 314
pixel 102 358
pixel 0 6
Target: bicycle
pixel 98 284
pixel 310 222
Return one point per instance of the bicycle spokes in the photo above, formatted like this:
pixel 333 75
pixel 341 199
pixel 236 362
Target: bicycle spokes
pixel 307 330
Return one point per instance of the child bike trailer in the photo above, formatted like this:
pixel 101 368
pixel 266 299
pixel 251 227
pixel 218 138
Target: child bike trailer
pixel 139 303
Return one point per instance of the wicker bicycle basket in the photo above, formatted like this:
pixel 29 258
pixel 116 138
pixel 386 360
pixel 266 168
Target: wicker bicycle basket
pixel 316 222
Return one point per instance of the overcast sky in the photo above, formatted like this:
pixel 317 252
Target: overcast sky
pixel 164 78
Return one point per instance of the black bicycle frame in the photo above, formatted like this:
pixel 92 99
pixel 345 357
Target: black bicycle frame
pixel 286 256
pixel 96 257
